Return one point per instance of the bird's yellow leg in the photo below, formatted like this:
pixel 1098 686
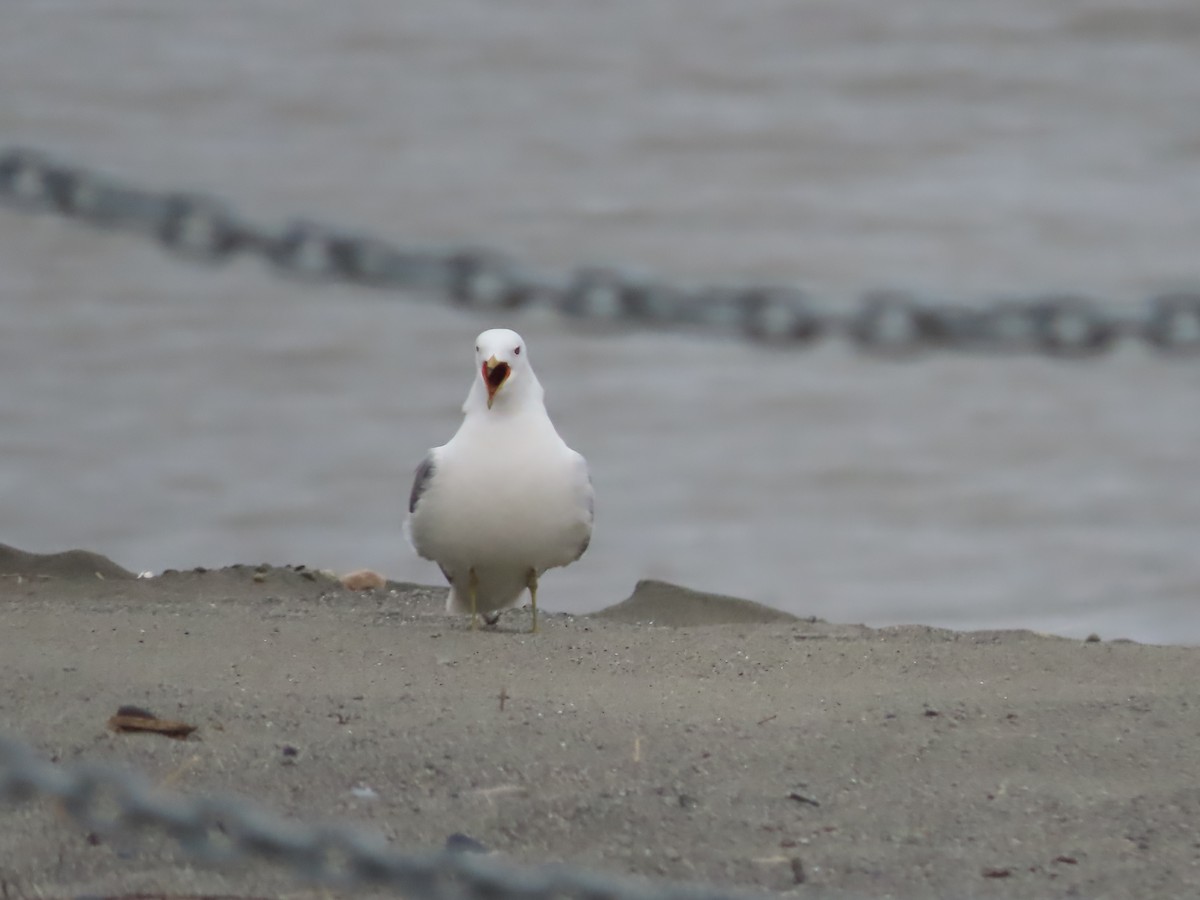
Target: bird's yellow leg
pixel 531 581
pixel 472 588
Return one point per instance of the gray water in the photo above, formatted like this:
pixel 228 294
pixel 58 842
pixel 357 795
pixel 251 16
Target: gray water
pixel 169 415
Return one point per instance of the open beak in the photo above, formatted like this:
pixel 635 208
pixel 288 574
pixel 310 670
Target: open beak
pixel 495 373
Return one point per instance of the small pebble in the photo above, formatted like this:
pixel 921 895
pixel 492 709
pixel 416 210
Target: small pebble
pixel 363 580
pixel 461 843
pixel 803 798
pixel 798 875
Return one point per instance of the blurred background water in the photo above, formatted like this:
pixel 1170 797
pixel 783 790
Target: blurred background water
pixel 173 416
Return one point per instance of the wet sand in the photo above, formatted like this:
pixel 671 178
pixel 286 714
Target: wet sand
pixel 674 735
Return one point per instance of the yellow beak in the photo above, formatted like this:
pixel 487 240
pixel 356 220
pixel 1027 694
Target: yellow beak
pixel 495 373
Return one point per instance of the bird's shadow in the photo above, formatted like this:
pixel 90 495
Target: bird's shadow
pixel 510 621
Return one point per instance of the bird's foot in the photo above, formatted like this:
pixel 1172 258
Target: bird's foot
pixel 472 589
pixel 532 583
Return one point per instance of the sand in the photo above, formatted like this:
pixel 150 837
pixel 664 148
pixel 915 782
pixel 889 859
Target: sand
pixel 675 735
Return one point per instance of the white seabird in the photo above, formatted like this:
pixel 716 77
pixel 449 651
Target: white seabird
pixel 506 499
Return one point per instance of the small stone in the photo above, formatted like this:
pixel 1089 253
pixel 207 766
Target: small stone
pixel 798 875
pixel 260 577
pixel 461 843
pixel 363 580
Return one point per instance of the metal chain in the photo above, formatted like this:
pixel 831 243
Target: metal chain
pixel 204 229
pixel 220 830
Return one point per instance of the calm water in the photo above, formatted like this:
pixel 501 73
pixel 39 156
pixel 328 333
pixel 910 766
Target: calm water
pixel 169 415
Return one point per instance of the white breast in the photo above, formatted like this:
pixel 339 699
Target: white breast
pixel 504 492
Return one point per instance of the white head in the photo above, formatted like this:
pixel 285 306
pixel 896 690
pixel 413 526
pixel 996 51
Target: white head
pixel 503 371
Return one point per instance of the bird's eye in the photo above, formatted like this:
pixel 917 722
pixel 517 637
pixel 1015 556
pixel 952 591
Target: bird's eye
pixel 517 351
pixel 476 348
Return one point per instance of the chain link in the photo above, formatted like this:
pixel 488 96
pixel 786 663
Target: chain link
pixel 221 830
pixel 204 229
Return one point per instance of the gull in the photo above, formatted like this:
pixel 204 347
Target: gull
pixel 505 499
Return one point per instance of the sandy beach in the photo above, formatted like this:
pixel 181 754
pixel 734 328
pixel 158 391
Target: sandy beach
pixel 675 735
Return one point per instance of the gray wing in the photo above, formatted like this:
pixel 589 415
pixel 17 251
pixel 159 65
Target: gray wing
pixel 421 481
